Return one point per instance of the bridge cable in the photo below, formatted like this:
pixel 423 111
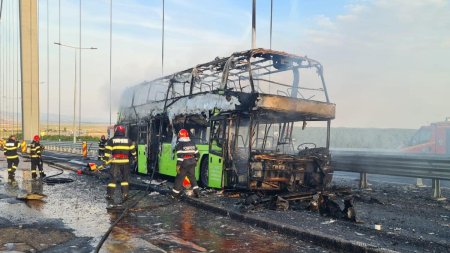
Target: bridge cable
pixel 110 61
pixel 162 42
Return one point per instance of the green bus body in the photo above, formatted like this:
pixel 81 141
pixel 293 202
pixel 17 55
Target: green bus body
pixel 167 164
pixel 241 112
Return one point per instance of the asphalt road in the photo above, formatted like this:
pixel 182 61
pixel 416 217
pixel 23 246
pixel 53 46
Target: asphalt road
pixel 73 217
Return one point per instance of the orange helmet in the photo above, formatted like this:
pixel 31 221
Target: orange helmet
pixel 183 133
pixel 36 138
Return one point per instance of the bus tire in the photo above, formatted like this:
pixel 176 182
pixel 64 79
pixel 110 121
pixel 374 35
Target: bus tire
pixel 204 172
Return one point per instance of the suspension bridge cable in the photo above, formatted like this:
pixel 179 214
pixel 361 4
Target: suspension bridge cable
pixel 15 79
pixel 48 69
pixel 7 74
pixel 10 44
pixel 13 66
pixel 110 61
pixel 162 42
pixel 1 70
pixel 6 17
pixel 1 9
pixel 17 65
pixel 271 12
pixel 79 78
pixel 59 70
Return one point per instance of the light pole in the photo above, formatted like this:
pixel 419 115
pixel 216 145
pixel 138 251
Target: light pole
pixel 75 83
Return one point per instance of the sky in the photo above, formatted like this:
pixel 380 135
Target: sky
pixel 385 61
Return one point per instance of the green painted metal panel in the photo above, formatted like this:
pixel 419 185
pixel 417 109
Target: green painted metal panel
pixel 215 168
pixel 142 159
pixel 168 160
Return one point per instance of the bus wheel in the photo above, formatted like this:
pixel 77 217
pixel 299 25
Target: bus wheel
pixel 204 172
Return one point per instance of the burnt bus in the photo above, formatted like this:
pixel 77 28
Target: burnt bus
pixel 243 113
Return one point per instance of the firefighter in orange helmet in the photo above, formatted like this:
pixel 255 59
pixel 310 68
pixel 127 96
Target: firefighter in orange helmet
pixel 36 157
pixel 187 156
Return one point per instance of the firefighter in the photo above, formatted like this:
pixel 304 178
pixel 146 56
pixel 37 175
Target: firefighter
pixel 12 158
pixel 187 156
pixel 101 148
pixel 36 157
pixel 119 151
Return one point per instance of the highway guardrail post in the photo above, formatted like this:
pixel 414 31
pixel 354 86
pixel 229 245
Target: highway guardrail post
pixel 419 183
pixel 363 180
pixel 436 184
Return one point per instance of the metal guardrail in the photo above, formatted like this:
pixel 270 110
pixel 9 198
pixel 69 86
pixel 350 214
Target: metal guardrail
pixel 70 147
pixel 407 165
pixel 365 162
pixel 435 167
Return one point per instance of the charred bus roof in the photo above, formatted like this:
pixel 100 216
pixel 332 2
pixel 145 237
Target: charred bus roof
pixel 259 80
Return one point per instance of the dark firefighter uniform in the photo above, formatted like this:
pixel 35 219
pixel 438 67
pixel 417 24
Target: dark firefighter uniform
pixel 187 156
pixel 12 158
pixel 118 152
pixel 101 148
pixel 36 157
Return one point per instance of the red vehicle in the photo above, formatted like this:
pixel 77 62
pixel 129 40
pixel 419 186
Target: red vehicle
pixel 432 139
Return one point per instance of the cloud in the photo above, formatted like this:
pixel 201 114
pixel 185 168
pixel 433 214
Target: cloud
pixel 386 62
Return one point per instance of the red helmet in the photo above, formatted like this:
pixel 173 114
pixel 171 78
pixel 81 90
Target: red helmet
pixel 183 133
pixel 36 138
pixel 120 129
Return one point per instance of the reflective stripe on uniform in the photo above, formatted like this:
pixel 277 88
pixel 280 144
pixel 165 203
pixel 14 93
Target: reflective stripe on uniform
pixel 14 167
pixel 112 185
pixel 120 161
pixel 12 148
pixel 180 159
pixel 107 154
pixel 33 171
pixel 34 156
pixel 9 169
pixel 186 152
pixel 121 147
pixel 175 191
pixel 12 157
pixel 195 187
pixel 124 183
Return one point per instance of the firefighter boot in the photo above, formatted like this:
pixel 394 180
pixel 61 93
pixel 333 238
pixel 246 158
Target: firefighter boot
pixel 196 193
pixel 33 174
pixel 125 190
pixel 110 192
pixel 11 178
pixel 42 174
pixel 176 195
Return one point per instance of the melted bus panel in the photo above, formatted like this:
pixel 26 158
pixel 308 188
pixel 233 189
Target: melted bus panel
pixel 241 112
